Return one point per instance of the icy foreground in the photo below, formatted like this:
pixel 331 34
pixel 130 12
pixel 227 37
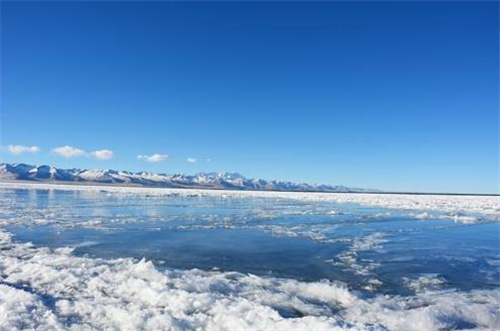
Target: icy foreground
pixel 48 289
pixel 59 288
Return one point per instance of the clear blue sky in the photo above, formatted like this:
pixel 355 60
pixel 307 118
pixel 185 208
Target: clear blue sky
pixel 388 95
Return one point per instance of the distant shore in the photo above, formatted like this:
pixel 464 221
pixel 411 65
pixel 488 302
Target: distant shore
pixel 180 187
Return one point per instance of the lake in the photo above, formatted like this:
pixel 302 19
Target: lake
pixel 289 262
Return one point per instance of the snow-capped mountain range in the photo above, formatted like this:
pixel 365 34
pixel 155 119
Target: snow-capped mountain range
pixel 211 180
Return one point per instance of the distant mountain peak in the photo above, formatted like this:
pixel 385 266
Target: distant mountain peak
pixel 203 180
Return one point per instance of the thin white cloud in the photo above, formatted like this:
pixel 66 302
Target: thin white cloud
pixel 103 154
pixel 208 160
pixel 154 158
pixel 68 151
pixel 20 149
pixel 191 160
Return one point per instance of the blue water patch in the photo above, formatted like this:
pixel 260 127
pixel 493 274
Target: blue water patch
pixel 371 249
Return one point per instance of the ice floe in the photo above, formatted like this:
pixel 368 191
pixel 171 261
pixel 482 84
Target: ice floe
pixel 461 208
pixel 47 289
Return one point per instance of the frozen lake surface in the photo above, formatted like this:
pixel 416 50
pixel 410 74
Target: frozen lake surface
pixel 79 257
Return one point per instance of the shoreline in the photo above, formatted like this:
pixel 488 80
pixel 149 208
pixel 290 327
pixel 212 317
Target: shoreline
pixel 454 206
pixel 113 185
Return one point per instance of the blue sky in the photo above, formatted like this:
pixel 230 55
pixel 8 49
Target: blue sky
pixel 389 95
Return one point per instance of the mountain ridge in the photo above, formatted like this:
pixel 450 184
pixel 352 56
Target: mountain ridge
pixel 202 180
